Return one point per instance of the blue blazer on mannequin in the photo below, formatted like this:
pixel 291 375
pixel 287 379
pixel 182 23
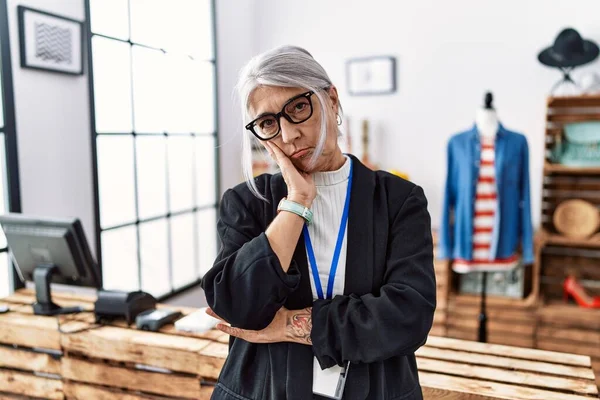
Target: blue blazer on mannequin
pixel 512 225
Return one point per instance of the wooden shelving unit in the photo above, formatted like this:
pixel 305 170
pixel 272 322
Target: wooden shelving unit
pixel 560 183
pixel 562 326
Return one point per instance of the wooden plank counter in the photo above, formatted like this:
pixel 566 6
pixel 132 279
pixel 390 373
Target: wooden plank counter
pixel 93 361
pixel 71 357
pixel 461 369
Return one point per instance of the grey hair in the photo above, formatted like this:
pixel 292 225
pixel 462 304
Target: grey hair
pixel 284 66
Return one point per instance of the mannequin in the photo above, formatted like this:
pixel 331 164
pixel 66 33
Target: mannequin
pixel 486 119
pixel 486 196
pixel 486 216
pixel 487 124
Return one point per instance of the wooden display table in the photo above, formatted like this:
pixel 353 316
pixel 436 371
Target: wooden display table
pixel 87 361
pixel 460 369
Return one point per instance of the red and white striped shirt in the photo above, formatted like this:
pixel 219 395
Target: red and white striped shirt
pixel 486 206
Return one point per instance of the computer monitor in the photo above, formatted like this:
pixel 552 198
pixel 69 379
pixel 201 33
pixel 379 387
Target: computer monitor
pixel 48 250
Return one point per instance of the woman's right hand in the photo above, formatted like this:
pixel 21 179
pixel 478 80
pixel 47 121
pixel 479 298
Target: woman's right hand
pixel 301 187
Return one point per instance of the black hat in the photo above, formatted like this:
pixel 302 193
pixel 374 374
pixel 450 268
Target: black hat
pixel 569 50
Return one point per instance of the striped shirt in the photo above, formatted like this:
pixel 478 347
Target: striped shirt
pixel 486 206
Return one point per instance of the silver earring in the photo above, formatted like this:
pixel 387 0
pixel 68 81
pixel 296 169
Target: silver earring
pixel 339 119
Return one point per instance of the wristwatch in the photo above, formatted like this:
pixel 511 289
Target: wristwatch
pixel 298 209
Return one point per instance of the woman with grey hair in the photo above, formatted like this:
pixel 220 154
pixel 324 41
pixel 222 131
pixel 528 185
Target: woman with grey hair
pixel 325 277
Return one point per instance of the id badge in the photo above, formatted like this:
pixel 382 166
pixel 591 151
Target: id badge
pixel 329 382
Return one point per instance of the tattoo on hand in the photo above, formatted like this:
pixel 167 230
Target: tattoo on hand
pixel 299 326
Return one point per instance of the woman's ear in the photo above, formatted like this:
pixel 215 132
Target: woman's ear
pixel 333 97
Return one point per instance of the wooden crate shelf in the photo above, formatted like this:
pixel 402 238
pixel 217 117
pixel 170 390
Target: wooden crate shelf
pixel 98 373
pixel 558 102
pixel 566 118
pixel 82 391
pixel 29 385
pixel 28 346
pixel 115 360
pixel 556 239
pixel 576 256
pixel 550 168
pixel 506 325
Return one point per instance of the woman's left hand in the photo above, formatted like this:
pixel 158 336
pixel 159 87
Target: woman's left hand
pixel 287 326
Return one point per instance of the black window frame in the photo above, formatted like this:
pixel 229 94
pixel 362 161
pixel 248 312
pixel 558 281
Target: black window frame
pixel 9 129
pixel 94 135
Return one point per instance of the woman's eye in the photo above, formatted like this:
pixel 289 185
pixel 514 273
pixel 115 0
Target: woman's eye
pixel 266 123
pixel 298 107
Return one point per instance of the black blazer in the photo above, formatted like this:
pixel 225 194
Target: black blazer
pixel 384 316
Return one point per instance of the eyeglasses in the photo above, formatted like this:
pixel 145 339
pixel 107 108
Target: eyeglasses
pixel 297 110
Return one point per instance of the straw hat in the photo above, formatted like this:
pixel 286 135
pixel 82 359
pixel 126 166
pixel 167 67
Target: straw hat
pixel 577 219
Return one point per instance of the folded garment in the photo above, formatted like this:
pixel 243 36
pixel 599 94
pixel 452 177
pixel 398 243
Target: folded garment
pixel 198 322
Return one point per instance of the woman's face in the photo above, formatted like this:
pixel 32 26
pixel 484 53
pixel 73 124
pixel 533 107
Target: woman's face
pixel 298 141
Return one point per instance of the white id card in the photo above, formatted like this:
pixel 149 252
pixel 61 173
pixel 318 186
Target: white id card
pixel 329 382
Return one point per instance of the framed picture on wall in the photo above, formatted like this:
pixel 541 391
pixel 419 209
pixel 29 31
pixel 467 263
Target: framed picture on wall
pixel 371 75
pixel 50 42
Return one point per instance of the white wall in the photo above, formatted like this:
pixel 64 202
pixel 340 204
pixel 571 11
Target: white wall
pixel 235 45
pixel 448 53
pixel 53 130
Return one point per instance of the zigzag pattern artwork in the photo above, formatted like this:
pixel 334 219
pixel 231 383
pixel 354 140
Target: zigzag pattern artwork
pixel 53 43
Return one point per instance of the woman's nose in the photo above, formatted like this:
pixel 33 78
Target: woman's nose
pixel 289 131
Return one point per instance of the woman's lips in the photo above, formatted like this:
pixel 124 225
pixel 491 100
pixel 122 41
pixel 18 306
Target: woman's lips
pixel 301 153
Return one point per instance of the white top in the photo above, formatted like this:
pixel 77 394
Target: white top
pixel 327 209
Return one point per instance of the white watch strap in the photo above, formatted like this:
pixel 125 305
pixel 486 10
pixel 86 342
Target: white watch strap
pixel 296 208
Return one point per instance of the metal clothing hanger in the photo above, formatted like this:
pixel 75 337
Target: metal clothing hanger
pixel 566 81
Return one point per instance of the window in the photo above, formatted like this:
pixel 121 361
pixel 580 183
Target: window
pixel 9 185
pixel 153 96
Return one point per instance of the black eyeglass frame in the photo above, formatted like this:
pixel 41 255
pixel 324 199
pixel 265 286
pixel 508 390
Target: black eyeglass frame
pixel 281 113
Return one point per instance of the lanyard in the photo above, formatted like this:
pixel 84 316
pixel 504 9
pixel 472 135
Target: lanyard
pixel 338 247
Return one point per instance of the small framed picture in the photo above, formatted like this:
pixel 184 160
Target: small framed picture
pixel 50 42
pixel 371 75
